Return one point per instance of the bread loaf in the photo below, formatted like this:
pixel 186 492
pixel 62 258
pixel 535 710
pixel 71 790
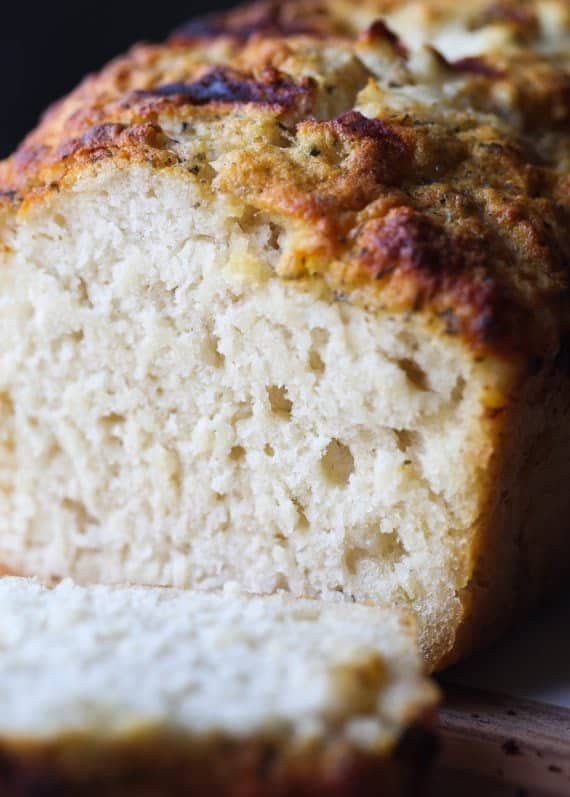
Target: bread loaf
pixel 284 301
pixel 141 692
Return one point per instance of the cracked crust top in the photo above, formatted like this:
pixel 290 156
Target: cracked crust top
pixel 415 154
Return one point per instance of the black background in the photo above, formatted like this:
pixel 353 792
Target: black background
pixel 47 47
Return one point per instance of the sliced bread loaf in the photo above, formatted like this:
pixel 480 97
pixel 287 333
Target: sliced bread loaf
pixel 284 301
pixel 133 691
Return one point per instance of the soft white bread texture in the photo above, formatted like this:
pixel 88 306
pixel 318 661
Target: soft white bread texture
pixel 170 421
pixel 289 310
pixel 101 684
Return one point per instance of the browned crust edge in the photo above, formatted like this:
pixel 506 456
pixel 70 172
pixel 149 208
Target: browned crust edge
pixel 520 548
pixel 222 768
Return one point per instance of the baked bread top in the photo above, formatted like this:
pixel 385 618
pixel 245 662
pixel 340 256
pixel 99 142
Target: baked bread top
pixel 412 156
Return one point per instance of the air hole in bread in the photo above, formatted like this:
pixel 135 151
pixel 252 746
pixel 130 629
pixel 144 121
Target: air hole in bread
pixel 211 352
pixel 60 220
pixel 459 390
pixel 302 521
pixel 282 582
pixel 111 426
pixel 83 293
pixel 6 406
pixel 316 363
pixel 337 463
pixel 268 450
pixel 237 453
pixel 112 420
pixel 243 412
pixel 7 442
pixel 320 338
pixel 387 547
pixel 275 232
pixel 81 517
pixel 414 373
pixel 280 403
pixel 406 439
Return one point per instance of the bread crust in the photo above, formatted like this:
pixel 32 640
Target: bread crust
pixel 457 208
pixel 269 17
pixel 520 546
pixel 224 768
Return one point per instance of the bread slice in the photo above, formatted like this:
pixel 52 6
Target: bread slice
pixel 284 301
pixel 121 691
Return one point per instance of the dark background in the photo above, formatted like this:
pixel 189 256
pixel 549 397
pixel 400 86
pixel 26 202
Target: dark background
pixel 47 47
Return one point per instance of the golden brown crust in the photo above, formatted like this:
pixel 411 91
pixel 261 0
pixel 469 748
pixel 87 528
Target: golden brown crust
pixel 219 768
pixel 442 187
pixel 337 17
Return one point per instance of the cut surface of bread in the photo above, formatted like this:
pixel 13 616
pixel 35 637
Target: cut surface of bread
pixel 284 302
pixel 104 687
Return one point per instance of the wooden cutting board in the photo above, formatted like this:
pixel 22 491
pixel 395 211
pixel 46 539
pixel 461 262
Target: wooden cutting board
pixel 498 745
pixel 505 722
